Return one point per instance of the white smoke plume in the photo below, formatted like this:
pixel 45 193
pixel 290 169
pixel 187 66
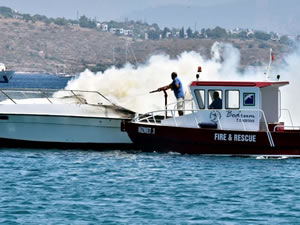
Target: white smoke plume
pixel 130 86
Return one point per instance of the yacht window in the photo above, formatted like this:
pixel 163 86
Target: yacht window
pixel 249 99
pixel 232 99
pixel 215 99
pixel 200 96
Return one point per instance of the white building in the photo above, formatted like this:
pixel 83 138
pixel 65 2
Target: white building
pixel 128 32
pixel 104 27
pixel 112 30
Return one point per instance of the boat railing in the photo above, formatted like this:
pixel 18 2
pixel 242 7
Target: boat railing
pixel 289 116
pixel 282 127
pixel 173 105
pixel 157 116
pixel 17 96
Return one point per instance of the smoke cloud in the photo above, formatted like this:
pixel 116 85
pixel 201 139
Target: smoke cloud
pixel 130 86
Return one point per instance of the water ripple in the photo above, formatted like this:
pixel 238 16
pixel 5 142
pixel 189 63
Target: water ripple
pixel 113 187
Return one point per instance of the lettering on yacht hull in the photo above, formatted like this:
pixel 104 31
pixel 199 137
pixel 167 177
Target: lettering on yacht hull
pixel 235 137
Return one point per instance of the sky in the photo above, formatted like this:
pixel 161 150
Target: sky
pixel 102 9
pixel 269 15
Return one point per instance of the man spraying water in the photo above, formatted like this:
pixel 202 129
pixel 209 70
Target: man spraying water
pixel 176 87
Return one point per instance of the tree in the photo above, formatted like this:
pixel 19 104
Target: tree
pixel 153 35
pixel 208 32
pixel 155 26
pixel 27 17
pixel 86 22
pixel 284 39
pixel 181 33
pixel 6 12
pixel 61 21
pixel 38 17
pixel 262 35
pixel 242 35
pixel 165 32
pixel 196 34
pixel 189 32
pixel 218 32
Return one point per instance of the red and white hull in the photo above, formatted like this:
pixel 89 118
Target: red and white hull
pixel 212 141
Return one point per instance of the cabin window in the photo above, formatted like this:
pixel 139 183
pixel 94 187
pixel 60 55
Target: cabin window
pixel 215 99
pixel 232 99
pixel 200 96
pixel 249 99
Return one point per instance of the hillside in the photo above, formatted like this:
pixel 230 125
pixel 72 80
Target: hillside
pixel 41 47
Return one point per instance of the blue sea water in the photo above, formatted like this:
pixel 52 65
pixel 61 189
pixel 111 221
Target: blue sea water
pixel 51 186
pixel 36 81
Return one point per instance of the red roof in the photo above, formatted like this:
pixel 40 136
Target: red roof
pixel 239 83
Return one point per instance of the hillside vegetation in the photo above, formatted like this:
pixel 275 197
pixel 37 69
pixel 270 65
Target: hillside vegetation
pixel 35 46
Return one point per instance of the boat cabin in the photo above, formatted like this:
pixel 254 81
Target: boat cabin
pixel 237 104
pixel 232 105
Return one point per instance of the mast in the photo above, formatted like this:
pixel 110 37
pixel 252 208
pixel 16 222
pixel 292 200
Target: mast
pixel 270 64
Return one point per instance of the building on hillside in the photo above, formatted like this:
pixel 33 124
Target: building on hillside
pixel 275 37
pixel 118 31
pixel 18 17
pixel 235 31
pixel 112 30
pixel 128 32
pixel 168 34
pixel 104 27
pixel 250 32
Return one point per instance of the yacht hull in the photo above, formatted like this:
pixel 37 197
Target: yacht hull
pixel 57 131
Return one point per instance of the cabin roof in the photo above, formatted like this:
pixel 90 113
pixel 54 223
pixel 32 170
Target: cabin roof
pixel 259 84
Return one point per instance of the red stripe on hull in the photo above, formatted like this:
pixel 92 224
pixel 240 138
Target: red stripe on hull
pixel 212 141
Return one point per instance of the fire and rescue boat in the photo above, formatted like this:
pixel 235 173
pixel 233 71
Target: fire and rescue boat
pixel 245 124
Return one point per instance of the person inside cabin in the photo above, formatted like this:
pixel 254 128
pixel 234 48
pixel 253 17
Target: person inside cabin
pixel 176 87
pixel 217 101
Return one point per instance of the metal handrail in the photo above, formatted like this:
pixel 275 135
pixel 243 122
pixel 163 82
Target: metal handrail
pixel 149 115
pixel 269 135
pixel 290 116
pixel 7 92
pixel 8 96
pixel 286 127
pixel 184 101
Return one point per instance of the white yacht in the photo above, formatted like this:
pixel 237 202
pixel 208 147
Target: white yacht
pixel 61 119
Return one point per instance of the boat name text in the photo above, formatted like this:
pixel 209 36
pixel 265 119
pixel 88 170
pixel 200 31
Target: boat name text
pixel 235 137
pixel 241 117
pixel 146 130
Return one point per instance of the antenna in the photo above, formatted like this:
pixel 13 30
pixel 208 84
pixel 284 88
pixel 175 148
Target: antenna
pixel 267 73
